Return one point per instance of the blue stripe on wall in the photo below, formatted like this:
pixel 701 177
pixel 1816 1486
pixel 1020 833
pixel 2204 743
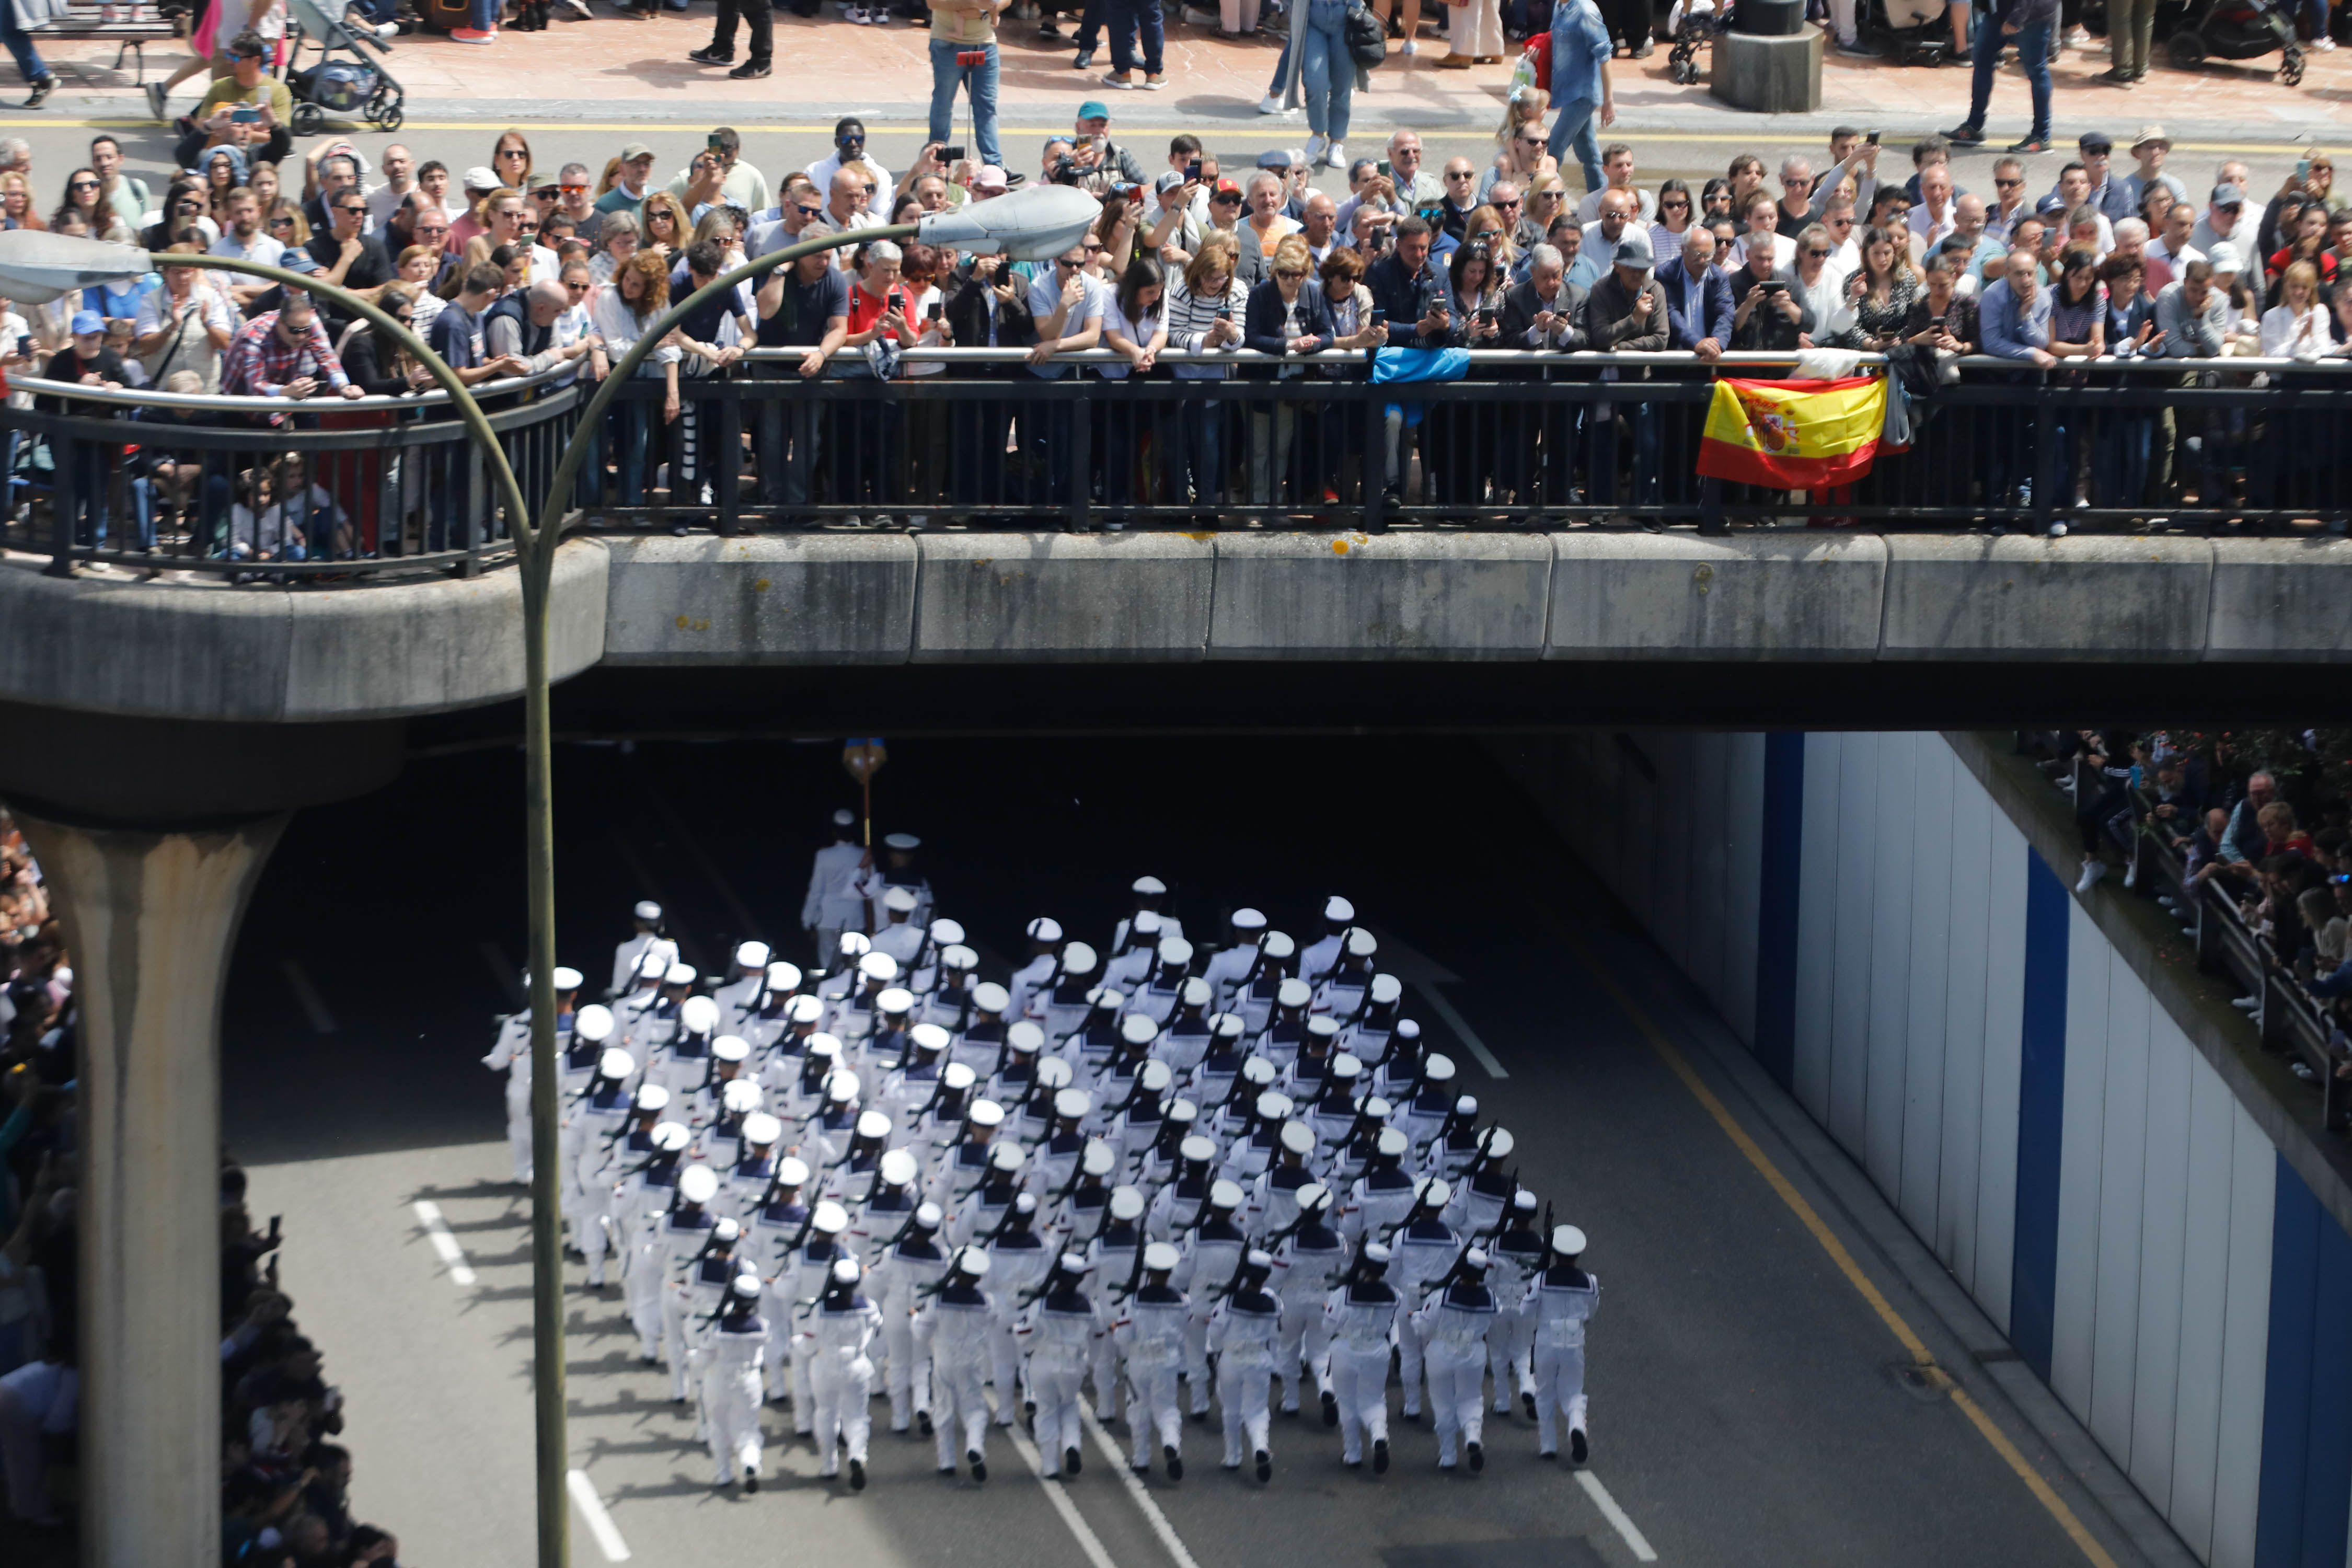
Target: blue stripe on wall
pixel 1776 905
pixel 2040 1106
pixel 2307 1483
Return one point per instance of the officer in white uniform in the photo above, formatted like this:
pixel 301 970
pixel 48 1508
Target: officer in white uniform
pixel 680 1242
pixel 1212 1262
pixel 897 934
pixel 1560 1303
pixel 910 1263
pixel 1057 1332
pixel 511 1056
pixel 632 1013
pixel 895 868
pixel 1360 1316
pixel 647 942
pixel 841 1375
pixel 1425 1250
pixel 751 959
pixel 642 1209
pixel 1129 965
pixel 732 1357
pixel 830 908
pixel 1228 965
pixel 1150 1331
pixel 1042 969
pixel 1242 1332
pixel 1453 1325
pixel 956 1326
pixel 1116 1256
pixel 1323 955
pixel 1308 1262
pixel 1151 897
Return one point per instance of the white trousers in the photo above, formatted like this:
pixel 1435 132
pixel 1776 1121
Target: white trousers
pixel 730 1414
pixel 1196 1363
pixel 1476 28
pixel 592 1229
pixel 1408 1362
pixel 959 1401
pixel 1359 1381
pixel 1241 1395
pixel 519 1132
pixel 1106 1375
pixel 1303 1351
pixel 1151 1411
pixel 1559 1387
pixel 1457 1380
pixel 681 1336
pixel 1507 1352
pixel 1004 1360
pixel 843 1393
pixel 909 1377
pixel 641 1286
pixel 1060 1428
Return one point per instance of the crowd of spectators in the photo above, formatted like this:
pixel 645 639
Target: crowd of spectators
pixel 285 1495
pixel 517 269
pixel 2260 822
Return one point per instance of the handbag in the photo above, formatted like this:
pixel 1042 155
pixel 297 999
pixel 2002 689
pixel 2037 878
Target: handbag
pixel 1368 41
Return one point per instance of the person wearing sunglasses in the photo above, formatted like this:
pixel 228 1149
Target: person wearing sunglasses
pixel 246 86
pixel 348 256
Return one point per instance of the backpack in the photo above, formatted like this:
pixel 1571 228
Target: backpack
pixel 1368 41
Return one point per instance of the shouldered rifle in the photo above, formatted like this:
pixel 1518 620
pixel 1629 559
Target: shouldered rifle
pixel 1135 1274
pixel 1012 1207
pixel 1420 1210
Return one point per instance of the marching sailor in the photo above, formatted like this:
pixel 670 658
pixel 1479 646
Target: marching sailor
pixel 956 1325
pixel 1042 970
pixel 898 934
pixel 1057 1329
pixel 1130 963
pixel 1518 1263
pixel 779 1224
pixel 606 1169
pixel 735 1351
pixel 1322 956
pixel 841 1376
pixel 1453 1325
pixel 1151 1331
pixel 873 881
pixel 910 1263
pixel 1151 897
pixel 1212 1259
pixel 1229 966
pixel 680 1242
pixel 830 908
pixel 1426 1252
pixel 647 940
pixel 1359 1317
pixel 974 1017
pixel 1560 1303
pixel 1115 1253
pixel 1309 1259
pixel 1242 1331
pixel 742 987
pixel 642 1209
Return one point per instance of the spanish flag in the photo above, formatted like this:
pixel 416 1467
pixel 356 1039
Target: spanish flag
pixel 1793 434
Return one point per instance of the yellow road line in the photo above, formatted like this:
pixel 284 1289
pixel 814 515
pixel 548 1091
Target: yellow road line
pixel 1680 1067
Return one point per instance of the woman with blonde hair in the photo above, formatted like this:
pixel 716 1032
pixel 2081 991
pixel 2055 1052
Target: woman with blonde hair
pixel 1203 312
pixel 667 230
pixel 623 313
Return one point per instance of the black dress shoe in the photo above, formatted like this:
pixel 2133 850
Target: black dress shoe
pixel 1175 1463
pixel 1264 1465
pixel 1071 1459
pixel 1477 1457
pixel 857 1475
pixel 1330 1408
pixel 978 1466
pixel 1381 1457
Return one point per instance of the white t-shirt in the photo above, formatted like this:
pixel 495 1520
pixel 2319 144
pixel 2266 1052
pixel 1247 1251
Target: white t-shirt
pixel 263 249
pixel 1138 330
pixel 824 169
pixel 1784 252
pixel 1045 297
pixel 208 306
pixel 1589 209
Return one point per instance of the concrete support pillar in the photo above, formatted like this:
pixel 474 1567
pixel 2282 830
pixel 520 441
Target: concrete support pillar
pixel 150 918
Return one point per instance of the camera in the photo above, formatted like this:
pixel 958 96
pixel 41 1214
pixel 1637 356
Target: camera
pixel 1192 170
pixel 951 154
pixel 1064 171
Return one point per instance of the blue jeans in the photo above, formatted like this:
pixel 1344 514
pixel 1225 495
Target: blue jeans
pixel 20 44
pixel 2032 42
pixel 1129 18
pixel 482 15
pixel 1327 71
pixel 979 82
pixel 1576 125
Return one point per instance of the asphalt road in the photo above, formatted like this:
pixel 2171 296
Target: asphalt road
pixel 1743 1406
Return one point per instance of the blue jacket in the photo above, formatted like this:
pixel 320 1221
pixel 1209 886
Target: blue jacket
pixel 1403 295
pixel 1707 313
pixel 1262 322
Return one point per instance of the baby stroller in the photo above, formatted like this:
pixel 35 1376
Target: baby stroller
pixel 352 86
pixel 1913 32
pixel 1693 24
pixel 2234 30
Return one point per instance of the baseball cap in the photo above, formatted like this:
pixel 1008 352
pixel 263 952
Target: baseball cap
pixel 2095 141
pixel 988 177
pixel 1168 182
pixel 1094 109
pixel 87 322
pixel 635 151
pixel 1632 250
pixel 479 178
pixel 2228 196
pixel 1224 185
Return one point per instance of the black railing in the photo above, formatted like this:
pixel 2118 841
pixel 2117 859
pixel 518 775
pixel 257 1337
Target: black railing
pixel 975 438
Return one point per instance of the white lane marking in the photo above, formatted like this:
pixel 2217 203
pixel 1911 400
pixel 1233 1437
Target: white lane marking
pixel 600 1523
pixel 1134 1488
pixel 1616 1516
pixel 1461 1026
pixel 313 1005
pixel 428 1215
pixel 1088 1541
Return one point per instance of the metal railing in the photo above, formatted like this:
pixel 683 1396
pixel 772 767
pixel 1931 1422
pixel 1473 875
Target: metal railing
pixel 974 436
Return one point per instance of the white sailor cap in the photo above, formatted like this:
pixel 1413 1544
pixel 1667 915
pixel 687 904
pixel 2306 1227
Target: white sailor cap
pixel 1567 1240
pixel 652 1097
pixel 946 932
pixel 1498 1143
pixel 1433 1191
pixel 1044 929
pixel 1224 1195
pixel 615 1064
pixel 928 1215
pixel 845 817
pixel 1465 1105
pixel 958 958
pixel 1054 1073
pixel 1438 1069
pixel 1159 1257
pixel 971 1262
pixel 841 1088
pixel 592 1023
pixel 878 966
pixel 985 1113
pixel 1259 1070
pixel 731 1049
pixel 1313 1196
pixel 1145 923
pixel 822 1045
pixel 901 841
pixel 1335 908
pixel 1155 1077
pixel 725 1229
pixel 830 1218
pixel 895 1000
pixel 1007 1156
pixel 698 1183
pixel 899 1168
pixel 930 1037
pixel 990 997
pixel 671 1137
pixel 1182 1111
pixel 747 1287
pixel 1107 996
pixel 957 1076
pixel 1137 1029
pixel 1323 1027
pixel 1024 1203
pixel 1024 1035
pixel 1072 1104
pixel 844 1271
pixel 1247 919
pixel 699 1015
pixel 1274 1105
pixel 1297 1138
pixel 1149 887
pixel 1075 1263
pixel 1259 1260
pixel 1386 989
pixel 741 1096
pixel 1227 1026
pixel 1195 991
pixel 647 909
pixel 804 1009
pixel 1392 1143
pixel 1098 1160
pixel 854 944
pixel 654 965
pixel 1196 1148
pixel 1375 1253
pixel 782 976
pixel 678 975
pixel 873 1124
pixel 1523 1201
pixel 1345 1066
pixel 1376 1108
pixel 1406 1029
pixel 1293 992
pixel 1276 944
pixel 900 900
pixel 761 1128
pixel 566 978
pixel 1361 944
pixel 754 955
pixel 1077 958
pixel 1174 949
pixel 791 1171
pixel 1126 1204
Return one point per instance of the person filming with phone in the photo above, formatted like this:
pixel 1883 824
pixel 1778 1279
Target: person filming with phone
pixel 248 109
